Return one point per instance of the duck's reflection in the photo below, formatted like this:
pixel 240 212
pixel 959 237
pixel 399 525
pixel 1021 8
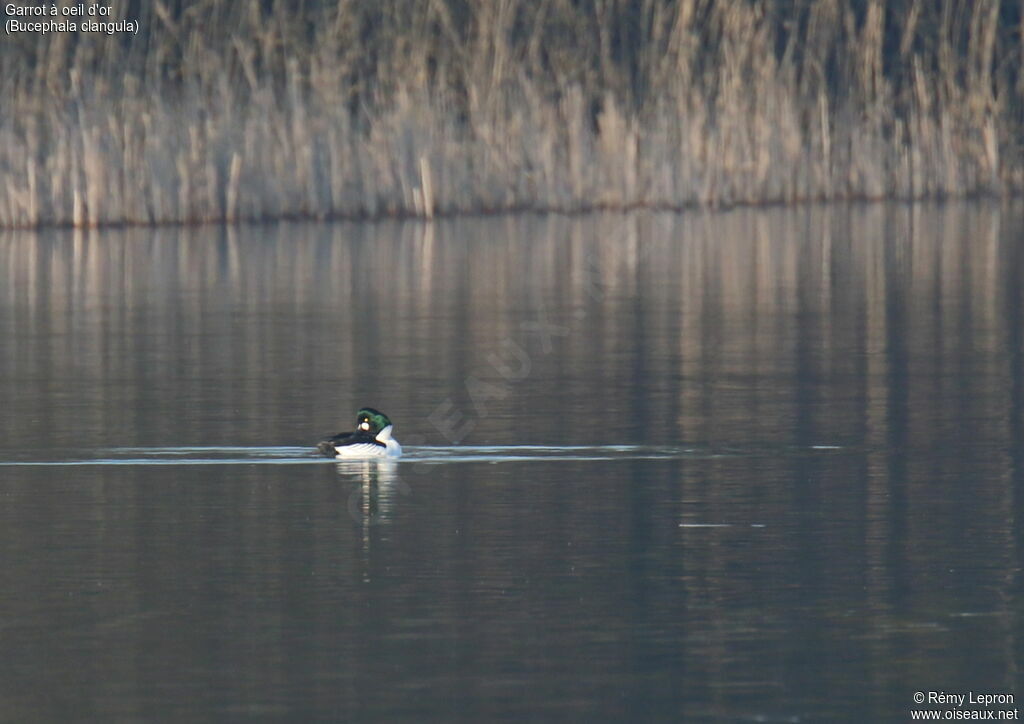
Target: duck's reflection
pixel 373 499
pixel 378 486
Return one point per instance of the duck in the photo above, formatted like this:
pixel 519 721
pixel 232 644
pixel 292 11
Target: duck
pixel 371 438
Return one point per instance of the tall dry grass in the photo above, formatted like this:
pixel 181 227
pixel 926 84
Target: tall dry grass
pixel 368 108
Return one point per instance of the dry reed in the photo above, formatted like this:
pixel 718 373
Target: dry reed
pixel 362 109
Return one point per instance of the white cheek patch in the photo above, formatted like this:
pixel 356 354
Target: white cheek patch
pixel 364 426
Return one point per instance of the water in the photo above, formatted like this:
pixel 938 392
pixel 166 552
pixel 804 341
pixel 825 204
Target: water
pixel 759 466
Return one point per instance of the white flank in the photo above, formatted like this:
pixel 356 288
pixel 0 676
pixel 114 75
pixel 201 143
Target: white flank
pixel 361 450
pixel 391 447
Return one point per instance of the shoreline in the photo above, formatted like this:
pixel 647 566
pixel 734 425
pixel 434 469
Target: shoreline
pixel 505 214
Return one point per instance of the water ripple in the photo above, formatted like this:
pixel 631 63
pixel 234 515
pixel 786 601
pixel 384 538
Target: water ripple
pixel 424 454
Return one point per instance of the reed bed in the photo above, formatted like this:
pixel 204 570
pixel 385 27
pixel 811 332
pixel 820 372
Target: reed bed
pixel 224 112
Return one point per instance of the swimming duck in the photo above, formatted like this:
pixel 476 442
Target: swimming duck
pixel 371 438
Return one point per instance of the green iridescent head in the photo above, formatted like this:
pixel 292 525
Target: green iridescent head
pixel 371 421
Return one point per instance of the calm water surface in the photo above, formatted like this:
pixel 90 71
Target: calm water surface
pixel 760 466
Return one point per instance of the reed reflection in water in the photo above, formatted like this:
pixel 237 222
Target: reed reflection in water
pixel 834 528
